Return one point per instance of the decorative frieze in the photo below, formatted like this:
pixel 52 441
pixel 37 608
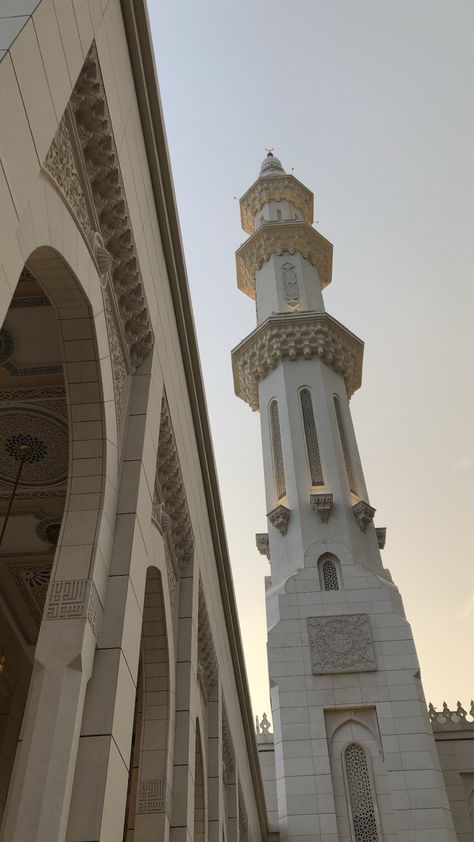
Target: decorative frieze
pixel 341 643
pixel 280 518
pixel 263 544
pixel 170 495
pixel 381 533
pixel 102 168
pixel 228 753
pixel 282 238
pixel 118 359
pixel 60 164
pixel 275 188
pixel 207 663
pixel 322 505
pixel 74 599
pixel 364 514
pixel 291 336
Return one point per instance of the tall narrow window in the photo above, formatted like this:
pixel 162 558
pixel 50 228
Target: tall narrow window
pixel 364 823
pixel 344 444
pixel 278 466
pixel 328 575
pixel 312 447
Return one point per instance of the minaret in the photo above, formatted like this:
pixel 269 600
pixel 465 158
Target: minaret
pixel 354 751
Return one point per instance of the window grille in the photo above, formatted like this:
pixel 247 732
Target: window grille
pixel 345 448
pixel 278 466
pixel 330 582
pixel 364 823
pixel 312 447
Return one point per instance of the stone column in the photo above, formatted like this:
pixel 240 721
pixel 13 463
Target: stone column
pixel 182 812
pixel 40 789
pixel 215 811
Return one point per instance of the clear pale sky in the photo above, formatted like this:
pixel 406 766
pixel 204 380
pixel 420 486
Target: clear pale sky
pixel 371 103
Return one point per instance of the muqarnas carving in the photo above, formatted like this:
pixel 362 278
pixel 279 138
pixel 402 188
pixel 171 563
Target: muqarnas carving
pixel 341 644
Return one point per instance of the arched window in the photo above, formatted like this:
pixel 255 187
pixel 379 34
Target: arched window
pixel 278 466
pixel 311 438
pixel 361 800
pixel 344 444
pixel 328 575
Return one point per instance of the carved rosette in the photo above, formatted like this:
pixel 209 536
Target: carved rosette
pixel 341 643
pixel 290 336
pixel 262 542
pixel 364 514
pixel 280 518
pixel 275 188
pixel 322 505
pixel 280 238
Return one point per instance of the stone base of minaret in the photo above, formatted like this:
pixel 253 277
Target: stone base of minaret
pixel 355 757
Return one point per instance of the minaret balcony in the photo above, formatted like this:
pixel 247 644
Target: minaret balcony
pixel 274 188
pixel 278 238
pixel 291 336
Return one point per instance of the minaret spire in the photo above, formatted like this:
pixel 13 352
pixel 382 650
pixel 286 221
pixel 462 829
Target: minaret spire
pixel 352 737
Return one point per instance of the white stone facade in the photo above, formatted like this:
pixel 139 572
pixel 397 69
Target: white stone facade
pixel 355 759
pixel 118 625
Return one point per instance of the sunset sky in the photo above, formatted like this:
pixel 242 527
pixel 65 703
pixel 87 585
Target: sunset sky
pixel 371 104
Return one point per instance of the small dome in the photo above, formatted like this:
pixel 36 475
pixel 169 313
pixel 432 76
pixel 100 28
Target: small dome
pixel 271 165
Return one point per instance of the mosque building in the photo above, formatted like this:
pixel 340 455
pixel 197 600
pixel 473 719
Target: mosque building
pixel 125 712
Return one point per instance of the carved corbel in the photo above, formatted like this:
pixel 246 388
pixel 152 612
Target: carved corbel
pixel 364 514
pixel 279 518
pixel 102 256
pixel 381 533
pixel 261 540
pixel 322 505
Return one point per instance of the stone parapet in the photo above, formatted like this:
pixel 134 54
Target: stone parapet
pixel 293 335
pixel 451 720
pixel 280 238
pixel 274 188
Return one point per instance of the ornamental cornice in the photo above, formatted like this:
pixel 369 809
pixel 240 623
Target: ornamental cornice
pixel 290 336
pixel 274 188
pixel 280 238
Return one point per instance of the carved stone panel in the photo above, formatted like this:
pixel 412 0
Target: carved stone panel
pixel 341 644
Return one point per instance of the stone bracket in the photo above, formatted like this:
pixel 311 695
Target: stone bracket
pixel 381 533
pixel 262 542
pixel 322 505
pixel 279 518
pixel 364 514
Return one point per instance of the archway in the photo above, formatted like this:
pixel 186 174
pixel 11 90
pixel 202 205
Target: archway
pixel 51 425
pixel 149 793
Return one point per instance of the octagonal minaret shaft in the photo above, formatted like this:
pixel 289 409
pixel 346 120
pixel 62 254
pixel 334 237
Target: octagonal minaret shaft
pixel 299 367
pixel 354 753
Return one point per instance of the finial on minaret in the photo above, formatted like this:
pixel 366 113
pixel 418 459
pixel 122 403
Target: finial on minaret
pixel 270 164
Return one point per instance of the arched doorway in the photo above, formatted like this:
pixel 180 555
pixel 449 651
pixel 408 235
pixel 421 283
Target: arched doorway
pixel 52 440
pixel 149 792
pixel 34 468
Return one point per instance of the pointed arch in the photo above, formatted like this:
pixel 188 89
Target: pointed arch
pixel 277 450
pixel 149 791
pixel 329 571
pixel 360 794
pixel 200 822
pixel 344 444
pixel 311 437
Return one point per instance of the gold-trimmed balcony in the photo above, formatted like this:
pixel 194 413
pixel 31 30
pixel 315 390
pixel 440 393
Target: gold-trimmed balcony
pixel 275 188
pixel 278 238
pixel 291 336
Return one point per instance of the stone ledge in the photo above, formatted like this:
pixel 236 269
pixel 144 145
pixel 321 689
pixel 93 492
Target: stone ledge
pixel 293 335
pixel 280 238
